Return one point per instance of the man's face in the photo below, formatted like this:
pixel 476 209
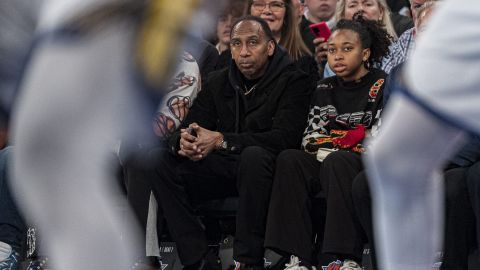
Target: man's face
pixel 322 10
pixel 251 49
pixel 370 9
pixel 224 24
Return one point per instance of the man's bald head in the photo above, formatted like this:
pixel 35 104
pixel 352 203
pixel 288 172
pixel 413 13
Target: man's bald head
pixel 261 23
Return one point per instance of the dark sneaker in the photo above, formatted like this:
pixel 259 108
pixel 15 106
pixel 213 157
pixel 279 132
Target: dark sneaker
pixel 11 262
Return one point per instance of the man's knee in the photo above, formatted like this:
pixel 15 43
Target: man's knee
pixel 256 165
pixel 255 155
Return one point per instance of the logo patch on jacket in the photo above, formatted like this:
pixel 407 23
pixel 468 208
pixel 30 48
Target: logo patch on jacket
pixel 375 88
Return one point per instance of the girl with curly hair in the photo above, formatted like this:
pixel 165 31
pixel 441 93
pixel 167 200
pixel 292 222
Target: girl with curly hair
pixel 342 113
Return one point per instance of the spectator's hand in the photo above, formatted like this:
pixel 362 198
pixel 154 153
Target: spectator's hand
pixel 321 47
pixel 188 148
pixel 207 140
pixel 351 138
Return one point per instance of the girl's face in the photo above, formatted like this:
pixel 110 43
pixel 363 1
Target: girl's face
pixel 345 55
pixel 370 8
pixel 224 25
pixel 273 12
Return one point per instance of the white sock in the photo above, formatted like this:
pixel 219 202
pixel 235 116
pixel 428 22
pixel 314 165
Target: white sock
pixel 5 251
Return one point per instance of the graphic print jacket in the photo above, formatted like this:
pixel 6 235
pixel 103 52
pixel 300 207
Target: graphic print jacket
pixel 341 113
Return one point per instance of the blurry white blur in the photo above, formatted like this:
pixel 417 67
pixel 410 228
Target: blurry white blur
pixel 80 96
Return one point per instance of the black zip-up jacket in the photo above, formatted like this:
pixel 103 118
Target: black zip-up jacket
pixel 272 118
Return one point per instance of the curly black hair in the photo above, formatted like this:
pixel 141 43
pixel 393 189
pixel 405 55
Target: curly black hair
pixel 372 35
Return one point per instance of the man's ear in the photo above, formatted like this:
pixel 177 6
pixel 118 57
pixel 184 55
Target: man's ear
pixel 366 54
pixel 271 47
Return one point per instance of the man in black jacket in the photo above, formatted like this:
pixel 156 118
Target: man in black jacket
pixel 227 145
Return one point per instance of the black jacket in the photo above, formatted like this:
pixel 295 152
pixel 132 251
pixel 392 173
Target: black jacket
pixel 307 34
pixel 273 118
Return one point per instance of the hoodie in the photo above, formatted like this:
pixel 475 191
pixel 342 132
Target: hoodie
pixel 272 117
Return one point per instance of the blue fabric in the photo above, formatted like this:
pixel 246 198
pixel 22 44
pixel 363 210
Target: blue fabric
pixel 12 226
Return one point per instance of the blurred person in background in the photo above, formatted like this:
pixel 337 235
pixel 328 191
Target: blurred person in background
pixel 283 22
pixel 94 76
pixel 438 94
pixel 221 38
pixel 376 10
pixel 321 11
pixel 316 11
pixel 18 20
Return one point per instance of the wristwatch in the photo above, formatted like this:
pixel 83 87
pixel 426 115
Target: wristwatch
pixel 223 145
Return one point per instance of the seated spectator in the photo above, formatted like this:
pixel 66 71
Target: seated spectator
pixel 321 11
pixel 240 121
pixel 401 49
pixel 316 11
pixel 376 10
pixel 232 12
pixel 342 112
pixel 283 22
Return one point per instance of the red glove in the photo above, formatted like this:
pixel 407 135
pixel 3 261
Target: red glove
pixel 351 138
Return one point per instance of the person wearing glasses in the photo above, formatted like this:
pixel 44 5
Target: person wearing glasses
pixel 283 21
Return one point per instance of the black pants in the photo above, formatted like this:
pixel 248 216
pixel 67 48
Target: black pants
pixel 473 183
pixel 299 178
pixel 179 184
pixel 459 219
